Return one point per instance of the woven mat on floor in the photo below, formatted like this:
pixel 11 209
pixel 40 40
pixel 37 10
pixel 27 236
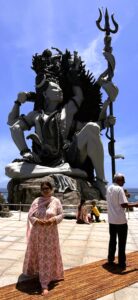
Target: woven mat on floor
pixel 86 282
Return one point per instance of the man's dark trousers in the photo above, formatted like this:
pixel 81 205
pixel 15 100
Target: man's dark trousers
pixel 120 231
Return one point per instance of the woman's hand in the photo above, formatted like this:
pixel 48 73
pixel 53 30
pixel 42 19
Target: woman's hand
pixel 51 221
pixel 48 222
pixel 40 221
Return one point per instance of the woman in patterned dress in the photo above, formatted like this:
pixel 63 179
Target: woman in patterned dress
pixel 43 257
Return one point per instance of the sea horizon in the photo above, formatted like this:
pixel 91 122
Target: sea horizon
pixel 133 193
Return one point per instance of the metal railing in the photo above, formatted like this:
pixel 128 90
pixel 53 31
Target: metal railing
pixel 19 211
pixel 6 205
pixel 67 209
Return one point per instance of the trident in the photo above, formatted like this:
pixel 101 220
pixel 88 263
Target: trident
pixel 109 73
pixel 107 28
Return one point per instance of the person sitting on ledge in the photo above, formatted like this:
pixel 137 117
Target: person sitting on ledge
pixel 82 214
pixel 95 212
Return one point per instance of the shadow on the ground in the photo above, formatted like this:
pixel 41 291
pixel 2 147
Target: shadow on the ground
pixel 31 285
pixel 115 269
pixel 28 285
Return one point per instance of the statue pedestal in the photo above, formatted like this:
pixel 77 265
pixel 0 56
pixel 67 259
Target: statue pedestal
pixel 70 190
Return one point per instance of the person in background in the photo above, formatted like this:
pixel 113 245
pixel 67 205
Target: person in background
pixel 95 212
pixel 43 257
pixel 82 214
pixel 117 203
pixel 127 193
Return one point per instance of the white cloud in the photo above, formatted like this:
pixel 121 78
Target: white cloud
pixel 92 56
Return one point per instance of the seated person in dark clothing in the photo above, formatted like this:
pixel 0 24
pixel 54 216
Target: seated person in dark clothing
pixel 82 214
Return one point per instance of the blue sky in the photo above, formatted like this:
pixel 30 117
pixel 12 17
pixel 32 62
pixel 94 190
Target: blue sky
pixel 30 26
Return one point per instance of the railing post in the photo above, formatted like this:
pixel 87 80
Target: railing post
pixel 20 209
pixel 128 212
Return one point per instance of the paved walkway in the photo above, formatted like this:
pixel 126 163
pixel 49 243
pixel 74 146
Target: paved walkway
pixel 80 244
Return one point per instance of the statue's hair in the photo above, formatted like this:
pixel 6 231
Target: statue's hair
pixel 91 106
pixel 67 75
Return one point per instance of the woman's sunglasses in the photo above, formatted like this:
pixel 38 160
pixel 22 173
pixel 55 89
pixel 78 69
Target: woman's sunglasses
pixel 45 189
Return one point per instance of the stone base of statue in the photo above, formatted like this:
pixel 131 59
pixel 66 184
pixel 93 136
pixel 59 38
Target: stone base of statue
pixel 70 185
pixel 26 190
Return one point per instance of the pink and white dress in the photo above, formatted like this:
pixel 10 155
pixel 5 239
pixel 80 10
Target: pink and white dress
pixel 43 257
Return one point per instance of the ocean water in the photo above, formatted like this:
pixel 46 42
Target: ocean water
pixel 4 192
pixel 133 193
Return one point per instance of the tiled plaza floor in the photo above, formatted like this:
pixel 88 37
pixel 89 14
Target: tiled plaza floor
pixel 80 244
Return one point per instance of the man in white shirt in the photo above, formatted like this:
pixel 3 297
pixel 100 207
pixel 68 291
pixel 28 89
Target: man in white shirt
pixel 117 202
